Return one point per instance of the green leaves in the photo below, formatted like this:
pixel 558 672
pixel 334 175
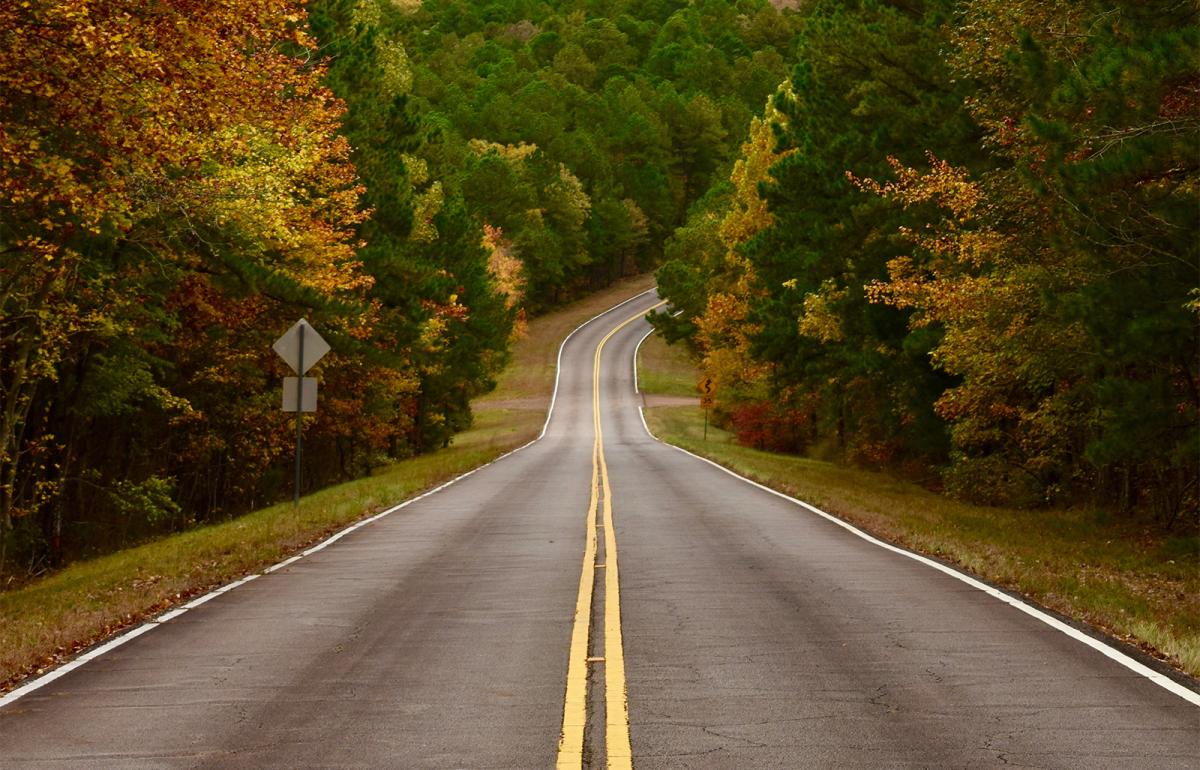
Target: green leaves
pixel 643 110
pixel 1018 306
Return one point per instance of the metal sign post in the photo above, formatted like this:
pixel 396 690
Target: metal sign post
pixel 300 347
pixel 708 392
pixel 299 417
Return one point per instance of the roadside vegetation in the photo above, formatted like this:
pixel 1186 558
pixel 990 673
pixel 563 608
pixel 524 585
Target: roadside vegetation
pixel 1130 579
pixel 417 179
pixel 47 620
pixel 953 239
pixel 961 241
pixel 666 370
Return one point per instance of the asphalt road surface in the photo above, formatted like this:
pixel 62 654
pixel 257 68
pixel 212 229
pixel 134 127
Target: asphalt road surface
pixel 483 626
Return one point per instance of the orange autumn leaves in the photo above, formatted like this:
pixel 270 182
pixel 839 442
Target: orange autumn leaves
pixel 175 121
pixel 183 142
pixel 184 126
pixel 724 330
pixel 984 287
pixel 508 269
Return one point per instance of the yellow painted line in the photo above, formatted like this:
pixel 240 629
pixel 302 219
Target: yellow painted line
pixel 618 752
pixel 570 744
pixel 616 702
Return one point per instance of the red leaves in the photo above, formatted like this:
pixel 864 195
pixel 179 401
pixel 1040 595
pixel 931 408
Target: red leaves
pixel 772 426
pixel 165 166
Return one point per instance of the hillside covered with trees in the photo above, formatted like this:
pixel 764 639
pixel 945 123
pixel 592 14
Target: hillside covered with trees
pixel 964 241
pixel 953 238
pixel 180 181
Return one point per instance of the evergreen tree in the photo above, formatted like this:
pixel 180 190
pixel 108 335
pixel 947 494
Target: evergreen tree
pixel 869 82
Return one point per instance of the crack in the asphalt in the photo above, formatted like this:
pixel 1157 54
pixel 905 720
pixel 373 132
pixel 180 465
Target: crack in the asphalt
pixel 676 754
pixel 881 692
pixel 713 732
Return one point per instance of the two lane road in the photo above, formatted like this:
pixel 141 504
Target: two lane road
pixel 589 599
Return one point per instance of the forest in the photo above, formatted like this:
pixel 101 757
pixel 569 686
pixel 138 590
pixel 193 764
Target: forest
pixel 962 243
pixel 952 239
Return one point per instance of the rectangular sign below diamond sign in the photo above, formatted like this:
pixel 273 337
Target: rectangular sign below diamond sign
pixel 308 396
pixel 301 347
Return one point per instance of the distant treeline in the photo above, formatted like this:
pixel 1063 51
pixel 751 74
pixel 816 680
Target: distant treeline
pixel 181 180
pixel 964 239
pixel 583 131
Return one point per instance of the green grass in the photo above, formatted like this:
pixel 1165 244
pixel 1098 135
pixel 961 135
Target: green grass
pixel 48 620
pixel 666 370
pixel 1129 579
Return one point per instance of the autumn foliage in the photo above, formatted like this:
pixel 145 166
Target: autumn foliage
pixel 961 237
pixel 176 188
pixel 976 252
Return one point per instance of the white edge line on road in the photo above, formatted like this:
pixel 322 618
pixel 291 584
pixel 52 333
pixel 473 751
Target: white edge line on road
pixel 637 348
pixel 175 612
pixel 1162 680
pixel 67 668
pixel 558 361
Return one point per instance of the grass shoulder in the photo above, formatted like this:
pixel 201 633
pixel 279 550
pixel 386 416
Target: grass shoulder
pixel 1133 582
pixel 666 370
pixel 49 620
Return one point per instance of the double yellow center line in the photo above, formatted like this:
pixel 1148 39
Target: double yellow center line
pixel 616 704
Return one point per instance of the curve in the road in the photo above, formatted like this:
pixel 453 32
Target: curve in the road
pixel 618 752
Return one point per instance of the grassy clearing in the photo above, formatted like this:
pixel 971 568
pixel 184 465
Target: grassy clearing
pixel 44 622
pixel 1135 583
pixel 666 370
